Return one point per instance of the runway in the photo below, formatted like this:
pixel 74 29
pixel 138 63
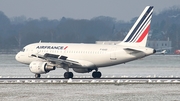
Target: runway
pixel 114 80
pixel 153 69
pixel 155 78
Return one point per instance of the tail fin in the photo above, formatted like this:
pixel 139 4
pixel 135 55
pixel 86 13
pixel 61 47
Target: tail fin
pixel 139 32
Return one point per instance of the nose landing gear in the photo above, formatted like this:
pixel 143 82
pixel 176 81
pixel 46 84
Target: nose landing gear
pixel 37 75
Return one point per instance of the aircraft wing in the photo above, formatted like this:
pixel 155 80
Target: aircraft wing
pixel 57 59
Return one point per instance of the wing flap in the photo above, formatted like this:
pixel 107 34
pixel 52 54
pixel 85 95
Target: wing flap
pixel 57 59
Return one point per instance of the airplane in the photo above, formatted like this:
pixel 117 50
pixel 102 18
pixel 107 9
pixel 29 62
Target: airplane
pixel 44 57
pixel 161 52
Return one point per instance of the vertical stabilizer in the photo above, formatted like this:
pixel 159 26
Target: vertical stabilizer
pixel 138 34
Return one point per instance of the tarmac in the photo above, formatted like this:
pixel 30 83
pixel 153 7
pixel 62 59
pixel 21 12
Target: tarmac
pixel 87 80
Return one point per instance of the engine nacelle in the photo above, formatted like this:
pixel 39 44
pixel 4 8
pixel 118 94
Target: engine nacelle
pixel 79 70
pixel 39 67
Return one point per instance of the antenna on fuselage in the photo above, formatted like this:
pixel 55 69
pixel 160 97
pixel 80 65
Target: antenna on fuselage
pixel 40 41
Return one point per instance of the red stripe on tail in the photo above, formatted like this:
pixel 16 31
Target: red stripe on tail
pixel 144 34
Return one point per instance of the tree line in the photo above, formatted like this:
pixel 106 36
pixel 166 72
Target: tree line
pixel 17 32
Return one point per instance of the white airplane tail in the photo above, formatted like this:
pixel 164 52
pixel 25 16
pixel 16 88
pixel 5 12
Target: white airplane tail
pixel 138 34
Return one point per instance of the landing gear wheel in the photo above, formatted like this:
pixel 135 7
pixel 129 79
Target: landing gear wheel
pixel 96 74
pixel 37 75
pixel 68 75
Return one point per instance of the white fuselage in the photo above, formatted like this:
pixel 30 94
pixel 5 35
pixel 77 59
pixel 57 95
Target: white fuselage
pixel 83 58
pixel 99 55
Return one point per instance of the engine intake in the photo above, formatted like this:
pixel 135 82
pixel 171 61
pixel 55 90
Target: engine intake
pixel 39 67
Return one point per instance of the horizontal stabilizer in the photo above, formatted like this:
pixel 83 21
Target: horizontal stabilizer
pixel 131 50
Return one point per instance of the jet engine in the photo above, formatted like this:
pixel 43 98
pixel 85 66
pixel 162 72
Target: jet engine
pixel 80 70
pixel 39 67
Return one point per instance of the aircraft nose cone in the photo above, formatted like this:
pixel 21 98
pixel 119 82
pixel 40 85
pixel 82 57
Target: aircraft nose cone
pixel 17 57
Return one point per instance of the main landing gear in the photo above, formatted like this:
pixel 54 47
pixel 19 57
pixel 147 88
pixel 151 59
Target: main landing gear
pixel 68 75
pixel 96 74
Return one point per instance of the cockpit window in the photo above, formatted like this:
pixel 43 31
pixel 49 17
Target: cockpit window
pixel 23 50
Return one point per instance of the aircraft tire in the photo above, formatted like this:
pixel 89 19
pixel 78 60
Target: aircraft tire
pixel 96 74
pixel 37 75
pixel 68 75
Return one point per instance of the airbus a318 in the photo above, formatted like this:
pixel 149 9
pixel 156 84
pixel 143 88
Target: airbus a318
pixel 84 58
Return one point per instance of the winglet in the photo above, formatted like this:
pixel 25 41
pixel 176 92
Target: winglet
pixel 139 32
